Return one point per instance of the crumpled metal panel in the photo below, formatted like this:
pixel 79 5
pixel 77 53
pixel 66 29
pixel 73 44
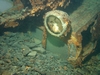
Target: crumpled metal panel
pixel 24 8
pixel 86 46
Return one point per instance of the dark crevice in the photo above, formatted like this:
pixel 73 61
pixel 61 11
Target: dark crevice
pixel 96 52
pixel 87 38
pixel 28 24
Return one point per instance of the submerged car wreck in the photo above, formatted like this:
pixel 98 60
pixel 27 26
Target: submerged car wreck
pixel 80 31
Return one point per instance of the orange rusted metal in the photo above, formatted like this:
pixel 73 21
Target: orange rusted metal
pixel 24 8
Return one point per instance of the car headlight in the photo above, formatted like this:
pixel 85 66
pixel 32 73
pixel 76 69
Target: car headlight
pixel 56 22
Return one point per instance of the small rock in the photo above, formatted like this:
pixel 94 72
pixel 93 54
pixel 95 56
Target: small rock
pixel 98 56
pixel 31 44
pixel 65 68
pixel 1 61
pixel 15 59
pixel 37 41
pixel 7 55
pixel 32 53
pixel 13 69
pixel 53 73
pixel 6 73
pixel 20 56
pixel 20 63
pixel 15 43
pixel 39 49
pixel 7 60
pixel 26 50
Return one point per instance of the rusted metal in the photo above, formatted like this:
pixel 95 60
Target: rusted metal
pixel 79 46
pixel 23 8
pixel 81 24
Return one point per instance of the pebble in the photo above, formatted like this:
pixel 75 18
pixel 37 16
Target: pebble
pixel 1 61
pixel 98 56
pixel 37 41
pixel 39 49
pixel 65 68
pixel 31 45
pixel 25 50
pixel 32 53
pixel 20 56
pixel 6 73
pixel 17 54
pixel 7 60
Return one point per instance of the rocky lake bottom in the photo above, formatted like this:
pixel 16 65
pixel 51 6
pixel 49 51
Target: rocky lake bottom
pixel 22 54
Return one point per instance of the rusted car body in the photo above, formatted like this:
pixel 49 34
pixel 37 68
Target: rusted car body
pixel 85 23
